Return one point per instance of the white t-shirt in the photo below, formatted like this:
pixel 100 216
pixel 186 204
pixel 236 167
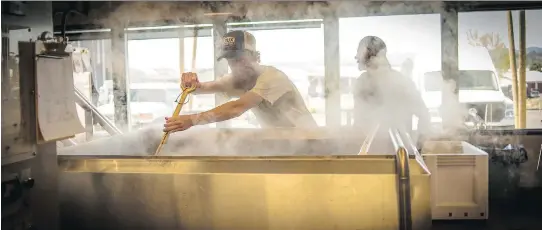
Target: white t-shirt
pixel 282 106
pixel 388 98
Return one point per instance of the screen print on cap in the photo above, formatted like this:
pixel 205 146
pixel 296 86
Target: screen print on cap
pixel 237 42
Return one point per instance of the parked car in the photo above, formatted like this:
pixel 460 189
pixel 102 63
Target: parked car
pixel 149 101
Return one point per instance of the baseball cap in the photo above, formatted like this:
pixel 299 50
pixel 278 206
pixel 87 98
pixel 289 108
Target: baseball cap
pixel 235 43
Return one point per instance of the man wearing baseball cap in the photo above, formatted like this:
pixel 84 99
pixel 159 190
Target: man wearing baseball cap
pixel 384 96
pixel 267 91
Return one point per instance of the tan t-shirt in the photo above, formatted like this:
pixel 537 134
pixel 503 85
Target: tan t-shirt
pixel 282 106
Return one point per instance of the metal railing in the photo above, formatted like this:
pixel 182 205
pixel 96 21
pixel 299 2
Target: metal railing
pixel 413 149
pixel 103 121
pixel 398 139
pixel 402 170
pixel 100 118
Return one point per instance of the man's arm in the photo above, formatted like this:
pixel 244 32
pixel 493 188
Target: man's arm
pixel 228 110
pixel 220 85
pixel 210 87
pixel 269 87
pixel 419 109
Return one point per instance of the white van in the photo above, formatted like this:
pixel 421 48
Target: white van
pixel 479 87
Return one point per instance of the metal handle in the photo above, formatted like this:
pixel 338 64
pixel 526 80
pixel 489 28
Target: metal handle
pixel 403 182
pixel 402 170
pixel 186 91
pixel 411 145
pixel 176 112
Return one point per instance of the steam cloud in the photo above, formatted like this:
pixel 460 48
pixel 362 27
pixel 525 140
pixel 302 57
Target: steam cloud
pixel 200 141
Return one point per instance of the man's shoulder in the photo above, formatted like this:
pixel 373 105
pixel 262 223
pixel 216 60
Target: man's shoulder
pixel 399 77
pixel 403 83
pixel 225 78
pixel 272 74
pixel 364 74
pixel 362 77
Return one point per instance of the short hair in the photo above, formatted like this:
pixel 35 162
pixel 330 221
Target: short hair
pixel 373 44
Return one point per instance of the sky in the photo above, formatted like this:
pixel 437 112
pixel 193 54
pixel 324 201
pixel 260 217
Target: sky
pixel 404 34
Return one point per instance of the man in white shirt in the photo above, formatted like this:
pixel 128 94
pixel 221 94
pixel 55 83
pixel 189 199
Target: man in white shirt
pixel 267 91
pixel 384 96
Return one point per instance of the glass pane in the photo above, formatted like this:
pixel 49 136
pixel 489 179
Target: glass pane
pixel 153 68
pixel 484 53
pixel 410 41
pixel 99 95
pixel 204 67
pixel 468 80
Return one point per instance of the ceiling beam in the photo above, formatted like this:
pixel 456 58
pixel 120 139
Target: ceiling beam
pixel 139 14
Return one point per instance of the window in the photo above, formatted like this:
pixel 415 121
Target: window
pixel 468 80
pixel 152 64
pixel 298 51
pixel 204 66
pixel 484 46
pixel 100 53
pixel 154 68
pixel 412 41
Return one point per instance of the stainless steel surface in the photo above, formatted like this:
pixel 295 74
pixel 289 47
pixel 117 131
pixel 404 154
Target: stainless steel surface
pixel 395 139
pixel 402 170
pixel 18 105
pixel 102 120
pixel 66 142
pixel 19 157
pixel 71 142
pixel 332 192
pixel 403 181
pixel 43 203
pixel 413 149
pixel 45 194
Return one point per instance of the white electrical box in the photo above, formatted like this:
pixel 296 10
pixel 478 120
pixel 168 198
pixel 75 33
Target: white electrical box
pixel 459 180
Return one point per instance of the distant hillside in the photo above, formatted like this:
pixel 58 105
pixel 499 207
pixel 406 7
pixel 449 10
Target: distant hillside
pixel 534 55
pixel 534 58
pixel 534 49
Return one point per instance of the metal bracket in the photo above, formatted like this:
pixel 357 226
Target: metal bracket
pixel 54 47
pixel 10 159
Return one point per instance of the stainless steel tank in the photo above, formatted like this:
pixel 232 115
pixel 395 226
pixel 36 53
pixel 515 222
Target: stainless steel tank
pixel 231 180
pixel 333 192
